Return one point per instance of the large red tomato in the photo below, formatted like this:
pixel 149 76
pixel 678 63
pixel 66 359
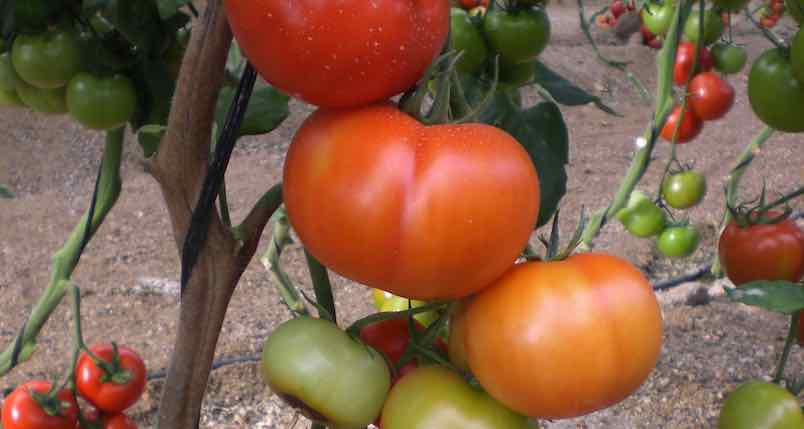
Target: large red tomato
pixel 422 212
pixel 21 411
pixel 337 54
pixel 762 252
pixel 563 339
pixel 685 56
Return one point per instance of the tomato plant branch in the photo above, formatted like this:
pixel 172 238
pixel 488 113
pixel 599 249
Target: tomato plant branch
pixel 322 287
pixel 619 65
pixel 271 261
pixel 788 344
pixel 66 259
pixel 783 199
pixel 773 38
pixel 664 104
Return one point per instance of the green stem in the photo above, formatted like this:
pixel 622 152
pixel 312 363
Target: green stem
pixel 783 199
pixel 788 344
pixel 322 287
pixel 664 104
pixel 733 183
pixel 271 261
pixel 66 259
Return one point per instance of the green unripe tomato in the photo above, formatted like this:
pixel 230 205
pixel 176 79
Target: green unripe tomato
pixel 678 241
pixel 713 26
pixel 729 59
pixel 641 217
pixel 466 38
pixel 684 190
pixel 797 56
pixel 434 397
pixel 518 36
pixel 10 98
pixel 657 17
pixel 761 405
pixel 101 103
pixel 330 376
pixel 513 76
pixel 8 76
pixel 50 101
pixel 775 95
pixel 48 60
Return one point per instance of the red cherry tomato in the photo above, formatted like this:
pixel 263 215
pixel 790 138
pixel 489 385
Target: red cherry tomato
pixel 690 126
pixel 685 55
pixel 21 411
pixel 710 97
pixel 617 8
pixel 343 54
pixel 114 395
pixel 114 421
pixel 391 337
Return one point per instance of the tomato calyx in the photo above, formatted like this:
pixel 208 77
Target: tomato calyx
pixel 113 371
pixel 50 403
pixel 552 250
pixel 762 213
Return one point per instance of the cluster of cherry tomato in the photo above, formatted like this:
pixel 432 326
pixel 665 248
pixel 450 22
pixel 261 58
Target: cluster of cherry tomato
pixel 771 13
pixel 616 10
pixel 433 212
pixel 110 378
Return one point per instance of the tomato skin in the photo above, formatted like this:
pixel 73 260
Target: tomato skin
pixel 518 36
pixel 710 97
pixel 314 51
pixel 797 56
pixel 774 93
pixel 691 126
pixel 762 252
pixel 391 337
pixel 641 217
pixel 397 303
pixel 471 4
pixel 108 396
pixel 10 98
pixel 434 397
pixel 457 336
pixel 101 103
pixel 8 76
pixel 382 180
pixel 760 405
pixel 47 60
pixel 685 56
pixel 684 190
pixel 543 314
pixel 617 8
pixel 116 421
pixel 729 59
pixel 311 362
pixel 49 101
pixel 21 411
pixel 678 241
pixel 713 26
pixel 657 18
pixel 466 38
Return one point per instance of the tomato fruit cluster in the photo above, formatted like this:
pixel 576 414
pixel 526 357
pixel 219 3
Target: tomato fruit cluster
pixel 617 8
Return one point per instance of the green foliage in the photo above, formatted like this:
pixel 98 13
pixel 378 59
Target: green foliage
pixel 266 110
pixel 777 296
pixel 564 91
pixel 5 193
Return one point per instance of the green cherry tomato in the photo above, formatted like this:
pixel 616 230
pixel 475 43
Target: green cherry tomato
pixel 761 405
pixel 776 96
pixel 397 303
pixel 641 217
pixel 466 38
pixel 729 59
pixel 436 398
pixel 796 9
pixel 729 5
pixel 678 241
pixel 518 36
pixel 797 56
pixel 330 376
pixel 684 190
pixel 513 76
pixel 713 26
pixel 8 76
pixel 10 98
pixel 48 60
pixel 51 101
pixel 657 17
pixel 101 103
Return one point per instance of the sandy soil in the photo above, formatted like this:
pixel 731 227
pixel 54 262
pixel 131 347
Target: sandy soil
pixel 127 272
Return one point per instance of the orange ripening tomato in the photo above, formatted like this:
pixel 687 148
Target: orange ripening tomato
pixel 563 339
pixel 423 212
pixel 344 54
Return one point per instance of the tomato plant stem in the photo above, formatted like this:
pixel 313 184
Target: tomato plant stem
pixel 733 183
pixel 66 258
pixel 783 199
pixel 322 287
pixel 271 261
pixel 788 344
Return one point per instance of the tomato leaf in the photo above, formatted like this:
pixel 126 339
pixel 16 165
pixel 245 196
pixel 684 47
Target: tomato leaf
pixel 267 109
pixel 565 92
pixel 542 132
pixel 5 193
pixel 777 296
pixel 138 21
pixel 168 8
pixel 154 91
pixel 7 18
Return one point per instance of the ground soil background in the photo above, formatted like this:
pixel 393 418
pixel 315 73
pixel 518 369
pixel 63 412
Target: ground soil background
pixel 128 274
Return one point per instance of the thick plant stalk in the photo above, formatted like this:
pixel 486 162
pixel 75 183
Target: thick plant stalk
pixel 180 167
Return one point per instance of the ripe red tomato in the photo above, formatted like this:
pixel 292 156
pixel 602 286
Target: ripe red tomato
pixel 617 8
pixel 685 55
pixel 691 126
pixel 21 411
pixel 114 395
pixel 710 97
pixel 391 337
pixel 762 252
pixel 350 53
pixel 115 421
pixel 471 4
pixel 396 205
pixel 563 339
